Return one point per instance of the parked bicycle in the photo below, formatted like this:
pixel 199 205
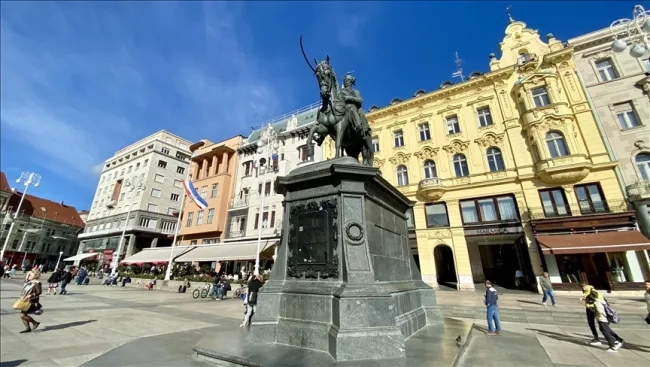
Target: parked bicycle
pixel 243 288
pixel 202 291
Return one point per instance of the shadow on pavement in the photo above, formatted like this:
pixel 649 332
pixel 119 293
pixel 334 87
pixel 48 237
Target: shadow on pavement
pixel 584 342
pixel 15 363
pixel 65 326
pixel 530 302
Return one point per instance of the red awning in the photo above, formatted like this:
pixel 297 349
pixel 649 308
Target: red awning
pixel 586 243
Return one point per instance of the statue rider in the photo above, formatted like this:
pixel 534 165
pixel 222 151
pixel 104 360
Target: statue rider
pixel 353 103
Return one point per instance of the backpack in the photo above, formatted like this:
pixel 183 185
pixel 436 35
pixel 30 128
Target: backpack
pixel 611 314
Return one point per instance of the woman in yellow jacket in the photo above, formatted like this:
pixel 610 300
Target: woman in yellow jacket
pixel 591 311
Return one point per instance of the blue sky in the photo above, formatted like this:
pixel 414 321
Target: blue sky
pixel 80 80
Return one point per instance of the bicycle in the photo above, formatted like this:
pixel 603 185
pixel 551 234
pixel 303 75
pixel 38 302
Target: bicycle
pixel 203 292
pixel 239 291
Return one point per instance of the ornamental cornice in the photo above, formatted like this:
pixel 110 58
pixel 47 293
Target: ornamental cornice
pixel 456 146
pixel 603 54
pixel 400 158
pixel 480 99
pixel 421 116
pixel 427 153
pixel 396 124
pixel 551 121
pixel 557 56
pixel 490 139
pixel 489 78
pixel 378 163
pixel 449 108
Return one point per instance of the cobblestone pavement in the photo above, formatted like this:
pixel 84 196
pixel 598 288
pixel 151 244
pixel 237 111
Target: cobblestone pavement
pixel 97 326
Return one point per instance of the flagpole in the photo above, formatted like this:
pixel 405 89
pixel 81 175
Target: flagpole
pixel 168 273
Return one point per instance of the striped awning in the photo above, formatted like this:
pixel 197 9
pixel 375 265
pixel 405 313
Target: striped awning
pixel 81 256
pixel 225 251
pixel 157 254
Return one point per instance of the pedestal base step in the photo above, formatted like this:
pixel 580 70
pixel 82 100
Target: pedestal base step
pixel 434 345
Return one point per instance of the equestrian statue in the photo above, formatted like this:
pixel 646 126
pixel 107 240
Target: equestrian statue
pixel 341 114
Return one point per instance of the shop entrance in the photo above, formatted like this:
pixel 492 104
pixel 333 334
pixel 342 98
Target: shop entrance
pixel 445 266
pixel 500 263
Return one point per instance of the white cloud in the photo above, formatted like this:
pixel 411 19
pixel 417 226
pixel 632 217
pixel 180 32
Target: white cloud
pixel 82 80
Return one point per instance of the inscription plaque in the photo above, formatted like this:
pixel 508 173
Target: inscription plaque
pixel 313 241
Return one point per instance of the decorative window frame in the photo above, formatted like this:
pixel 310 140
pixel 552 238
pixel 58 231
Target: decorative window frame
pixel 607 54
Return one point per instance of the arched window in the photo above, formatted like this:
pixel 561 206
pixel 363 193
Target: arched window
pixel 556 144
pixel 643 163
pixel 402 175
pixel 495 159
pixel 460 165
pixel 430 169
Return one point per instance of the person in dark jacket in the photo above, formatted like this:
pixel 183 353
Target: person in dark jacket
pixel 65 279
pixel 53 281
pixel 254 286
pixel 491 298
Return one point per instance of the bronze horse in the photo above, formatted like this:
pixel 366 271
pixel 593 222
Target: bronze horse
pixel 332 119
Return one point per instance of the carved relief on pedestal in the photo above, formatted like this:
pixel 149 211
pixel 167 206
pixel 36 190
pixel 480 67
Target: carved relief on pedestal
pixel 456 146
pixel 427 153
pixel 490 139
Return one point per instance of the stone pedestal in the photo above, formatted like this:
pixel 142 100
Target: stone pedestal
pixel 344 281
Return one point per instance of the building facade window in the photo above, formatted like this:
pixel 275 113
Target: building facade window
pixel 398 137
pixel 174 197
pixel 425 134
pixel 436 215
pixel 199 217
pixel 210 217
pixel 180 170
pixel 646 65
pixel 159 178
pixel 178 183
pixel 540 97
pixel 495 160
pixel 626 115
pixel 204 192
pixel 556 144
pixel 155 193
pixel 642 161
pixel 375 144
pixel 162 164
pixel 484 116
pixel 430 169
pixel 460 165
pixel 410 221
pixel 606 70
pixel 164 151
pixel 303 154
pixel 171 211
pixel 215 189
pixel 486 210
pixel 190 217
pixel 554 203
pixel 402 175
pixel 590 199
pixel 453 126
pixel 152 208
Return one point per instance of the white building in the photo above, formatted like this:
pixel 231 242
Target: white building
pixel 159 161
pixel 254 190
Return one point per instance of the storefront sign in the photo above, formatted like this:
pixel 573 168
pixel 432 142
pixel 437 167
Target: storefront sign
pixel 493 231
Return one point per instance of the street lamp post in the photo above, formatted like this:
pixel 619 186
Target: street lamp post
pixel 59 260
pixel 636 29
pixel 133 184
pixel 268 138
pixel 27 178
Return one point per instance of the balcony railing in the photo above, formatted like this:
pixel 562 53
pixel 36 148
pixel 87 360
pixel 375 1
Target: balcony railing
pixel 615 206
pixel 638 191
pixel 238 202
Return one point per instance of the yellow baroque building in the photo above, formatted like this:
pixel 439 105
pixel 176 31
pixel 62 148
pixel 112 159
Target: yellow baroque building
pixel 501 164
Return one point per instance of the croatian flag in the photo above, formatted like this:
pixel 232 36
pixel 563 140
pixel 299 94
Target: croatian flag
pixel 191 192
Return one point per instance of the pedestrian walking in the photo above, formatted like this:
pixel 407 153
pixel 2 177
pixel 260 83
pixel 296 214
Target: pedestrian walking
pixel 590 311
pixel 547 288
pixel 519 279
pixel 31 293
pixel 66 278
pixel 53 281
pixel 254 286
pixel 600 315
pixel 647 299
pixel 490 301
